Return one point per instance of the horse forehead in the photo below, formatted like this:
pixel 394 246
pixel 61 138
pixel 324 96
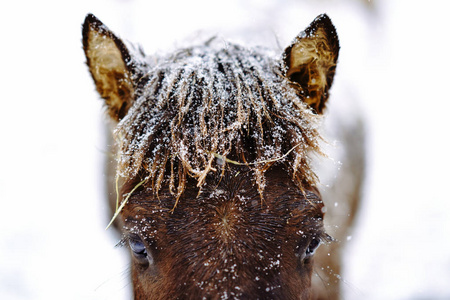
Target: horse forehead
pixel 228 199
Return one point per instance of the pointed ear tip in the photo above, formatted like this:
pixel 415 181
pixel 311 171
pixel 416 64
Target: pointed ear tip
pixel 91 18
pixel 92 22
pixel 322 18
pixel 324 21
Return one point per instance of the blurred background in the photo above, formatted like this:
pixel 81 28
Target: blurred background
pixel 393 62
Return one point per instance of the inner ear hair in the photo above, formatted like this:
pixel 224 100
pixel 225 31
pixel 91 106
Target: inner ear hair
pixel 110 65
pixel 310 61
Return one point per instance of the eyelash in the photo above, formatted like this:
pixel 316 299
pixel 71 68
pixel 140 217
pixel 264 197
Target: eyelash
pixel 325 237
pixel 126 239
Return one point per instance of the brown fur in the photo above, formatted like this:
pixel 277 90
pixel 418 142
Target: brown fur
pixel 206 247
pixel 203 225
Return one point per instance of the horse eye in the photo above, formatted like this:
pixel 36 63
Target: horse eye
pixel 138 247
pixel 139 250
pixel 312 247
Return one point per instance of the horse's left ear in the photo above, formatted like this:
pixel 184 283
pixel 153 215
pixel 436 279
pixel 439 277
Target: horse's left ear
pixel 310 61
pixel 111 66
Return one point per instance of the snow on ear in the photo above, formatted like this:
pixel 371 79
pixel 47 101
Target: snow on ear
pixel 110 64
pixel 310 61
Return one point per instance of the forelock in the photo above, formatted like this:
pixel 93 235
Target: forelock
pixel 216 100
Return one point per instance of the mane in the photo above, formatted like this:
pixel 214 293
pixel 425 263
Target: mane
pixel 215 103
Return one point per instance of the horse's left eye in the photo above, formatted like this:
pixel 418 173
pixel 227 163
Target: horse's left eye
pixel 305 254
pixel 312 247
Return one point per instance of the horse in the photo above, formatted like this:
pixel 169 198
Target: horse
pixel 216 195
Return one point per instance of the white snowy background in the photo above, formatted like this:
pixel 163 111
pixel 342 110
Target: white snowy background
pixel 394 61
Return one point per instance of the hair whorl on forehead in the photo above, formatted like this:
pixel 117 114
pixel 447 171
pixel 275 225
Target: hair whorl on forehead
pixel 210 100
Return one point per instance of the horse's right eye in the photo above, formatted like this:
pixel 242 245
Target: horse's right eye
pixel 139 250
pixel 138 247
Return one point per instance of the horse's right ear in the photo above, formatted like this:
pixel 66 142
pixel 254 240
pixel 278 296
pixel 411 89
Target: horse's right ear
pixel 111 66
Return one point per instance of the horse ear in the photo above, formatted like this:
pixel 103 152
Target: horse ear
pixel 310 61
pixel 111 66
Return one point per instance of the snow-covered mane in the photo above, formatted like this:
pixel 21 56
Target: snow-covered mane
pixel 212 102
